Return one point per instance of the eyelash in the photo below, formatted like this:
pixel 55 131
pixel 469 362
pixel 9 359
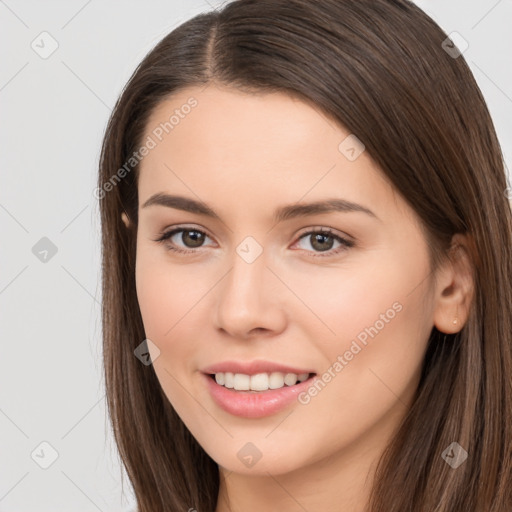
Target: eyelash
pixel 346 244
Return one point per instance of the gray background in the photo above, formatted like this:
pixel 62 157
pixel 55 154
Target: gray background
pixel 53 113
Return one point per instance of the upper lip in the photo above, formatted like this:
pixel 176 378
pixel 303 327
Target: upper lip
pixel 253 367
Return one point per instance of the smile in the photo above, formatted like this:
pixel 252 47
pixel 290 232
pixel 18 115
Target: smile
pixel 235 393
pixel 259 381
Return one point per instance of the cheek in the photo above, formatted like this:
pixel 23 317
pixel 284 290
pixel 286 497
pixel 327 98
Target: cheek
pixel 154 295
pixel 168 300
pixel 381 322
pixel 373 362
pixel 173 300
pixel 165 292
pixel 341 302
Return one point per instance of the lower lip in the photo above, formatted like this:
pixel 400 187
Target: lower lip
pixel 257 404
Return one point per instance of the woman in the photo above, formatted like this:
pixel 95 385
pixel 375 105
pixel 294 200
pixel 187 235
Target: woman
pixel 307 266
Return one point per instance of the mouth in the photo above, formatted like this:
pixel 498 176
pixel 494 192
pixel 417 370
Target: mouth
pixel 259 382
pixel 257 395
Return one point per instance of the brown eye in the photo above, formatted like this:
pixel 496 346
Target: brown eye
pixel 191 238
pixel 322 241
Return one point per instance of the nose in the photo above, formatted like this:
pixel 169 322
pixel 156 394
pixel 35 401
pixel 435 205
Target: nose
pixel 250 299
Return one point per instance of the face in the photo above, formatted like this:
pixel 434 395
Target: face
pixel 338 300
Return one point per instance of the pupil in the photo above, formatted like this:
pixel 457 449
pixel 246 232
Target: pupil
pixel 320 238
pixel 196 237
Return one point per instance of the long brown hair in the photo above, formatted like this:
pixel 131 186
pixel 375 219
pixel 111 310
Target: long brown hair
pixel 381 70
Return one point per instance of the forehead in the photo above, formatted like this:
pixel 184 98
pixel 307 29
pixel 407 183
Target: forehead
pixel 215 116
pixel 253 149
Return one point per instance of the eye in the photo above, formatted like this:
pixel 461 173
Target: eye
pixel 191 237
pixel 323 239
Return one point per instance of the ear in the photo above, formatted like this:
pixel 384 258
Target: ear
pixel 454 287
pixel 125 219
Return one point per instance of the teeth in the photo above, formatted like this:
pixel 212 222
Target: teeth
pixel 276 380
pixel 241 382
pixel 228 380
pixel 259 381
pixel 290 379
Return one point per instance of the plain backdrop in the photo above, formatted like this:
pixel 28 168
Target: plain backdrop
pixel 54 109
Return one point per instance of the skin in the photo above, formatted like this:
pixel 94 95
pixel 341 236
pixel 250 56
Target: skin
pixel 246 155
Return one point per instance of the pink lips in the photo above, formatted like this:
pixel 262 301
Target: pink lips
pixel 253 367
pixel 251 404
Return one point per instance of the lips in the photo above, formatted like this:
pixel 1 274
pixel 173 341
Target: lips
pixel 254 367
pixel 255 404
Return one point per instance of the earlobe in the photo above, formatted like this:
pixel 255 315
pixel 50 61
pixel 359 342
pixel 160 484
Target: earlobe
pixel 125 219
pixel 455 287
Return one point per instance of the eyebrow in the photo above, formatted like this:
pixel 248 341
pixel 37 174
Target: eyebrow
pixel 281 214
